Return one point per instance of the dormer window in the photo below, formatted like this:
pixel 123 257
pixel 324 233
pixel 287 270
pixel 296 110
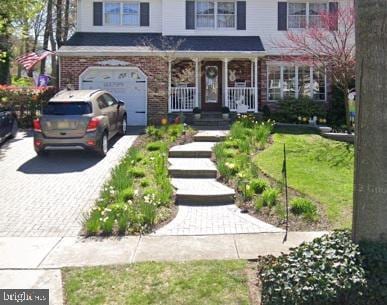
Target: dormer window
pixel 215 14
pixel 127 13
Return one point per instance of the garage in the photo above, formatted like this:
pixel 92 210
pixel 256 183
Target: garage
pixel 127 84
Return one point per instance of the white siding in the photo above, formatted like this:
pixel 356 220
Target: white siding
pixel 168 17
pixel 85 19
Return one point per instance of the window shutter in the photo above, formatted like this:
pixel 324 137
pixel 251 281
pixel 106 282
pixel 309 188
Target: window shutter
pixel 241 15
pixel 282 16
pixel 97 13
pixel 144 14
pixel 190 15
pixel 333 9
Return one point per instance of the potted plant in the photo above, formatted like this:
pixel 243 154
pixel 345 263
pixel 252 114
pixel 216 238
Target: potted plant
pixel 197 111
pixel 225 112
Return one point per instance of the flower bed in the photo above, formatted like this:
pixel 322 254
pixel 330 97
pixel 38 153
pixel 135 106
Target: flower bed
pixel 26 101
pixel 257 193
pixel 139 194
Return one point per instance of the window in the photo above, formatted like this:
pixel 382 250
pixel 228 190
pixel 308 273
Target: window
pixel 109 100
pixel 304 81
pixel 297 15
pixel 303 15
pixel 212 14
pixel 274 85
pixel 226 15
pixel 318 85
pixel 295 81
pixel 289 82
pixel 130 13
pixel 67 108
pixel 112 13
pixel 127 13
pixel 315 12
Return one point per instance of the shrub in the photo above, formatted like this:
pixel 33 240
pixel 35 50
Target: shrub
pixel 290 109
pixel 326 271
pixel 258 185
pixel 145 182
pixel 92 223
pixel 153 132
pixel 270 197
pixel 136 172
pixel 231 144
pixel 304 207
pixel 154 146
pixel 127 194
pixel 258 204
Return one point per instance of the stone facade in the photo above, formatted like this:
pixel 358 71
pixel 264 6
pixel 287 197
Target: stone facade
pixel 155 68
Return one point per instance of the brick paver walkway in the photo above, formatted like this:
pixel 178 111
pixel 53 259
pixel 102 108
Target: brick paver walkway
pixel 48 196
pixel 205 208
pixel 208 220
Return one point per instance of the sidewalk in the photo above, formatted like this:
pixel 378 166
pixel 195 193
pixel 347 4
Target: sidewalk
pixel 27 263
pixel 52 252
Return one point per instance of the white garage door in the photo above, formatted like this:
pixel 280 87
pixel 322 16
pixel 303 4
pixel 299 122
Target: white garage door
pixel 126 84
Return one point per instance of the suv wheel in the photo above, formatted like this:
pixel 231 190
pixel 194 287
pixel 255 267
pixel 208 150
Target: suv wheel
pixel 104 145
pixel 124 126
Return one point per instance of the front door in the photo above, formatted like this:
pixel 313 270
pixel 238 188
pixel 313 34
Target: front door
pixel 212 86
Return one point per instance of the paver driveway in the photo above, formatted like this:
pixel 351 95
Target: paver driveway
pixel 49 196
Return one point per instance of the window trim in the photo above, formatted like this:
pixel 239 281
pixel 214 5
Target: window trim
pixel 215 27
pixel 121 24
pixel 296 66
pixel 307 15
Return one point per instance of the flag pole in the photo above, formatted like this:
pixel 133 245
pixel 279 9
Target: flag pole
pixel 285 178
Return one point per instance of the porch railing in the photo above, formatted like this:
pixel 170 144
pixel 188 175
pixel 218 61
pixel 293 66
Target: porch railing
pixel 182 98
pixel 244 96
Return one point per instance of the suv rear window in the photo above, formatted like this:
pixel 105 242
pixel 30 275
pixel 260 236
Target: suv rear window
pixel 67 108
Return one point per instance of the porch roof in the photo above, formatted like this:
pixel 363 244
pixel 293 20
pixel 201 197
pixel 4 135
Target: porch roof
pixel 85 42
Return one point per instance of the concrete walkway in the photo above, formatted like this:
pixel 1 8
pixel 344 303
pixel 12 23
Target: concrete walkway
pixel 52 252
pixel 35 262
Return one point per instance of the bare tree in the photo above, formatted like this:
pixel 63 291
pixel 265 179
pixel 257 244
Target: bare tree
pixel 328 47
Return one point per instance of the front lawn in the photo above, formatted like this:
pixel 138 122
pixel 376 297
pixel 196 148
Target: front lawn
pixel 210 283
pixel 317 167
pixel 258 194
pixel 139 194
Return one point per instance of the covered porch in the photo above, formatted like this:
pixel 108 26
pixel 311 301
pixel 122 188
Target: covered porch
pixel 213 83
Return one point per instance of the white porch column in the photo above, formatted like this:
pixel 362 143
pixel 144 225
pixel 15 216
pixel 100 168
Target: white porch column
pixel 169 85
pixel 256 83
pixel 197 80
pixel 226 102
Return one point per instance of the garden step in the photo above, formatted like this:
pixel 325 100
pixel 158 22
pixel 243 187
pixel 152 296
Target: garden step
pixel 211 136
pixel 202 191
pixel 192 168
pixel 192 150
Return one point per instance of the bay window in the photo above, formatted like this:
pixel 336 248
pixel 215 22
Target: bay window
pixel 215 14
pixel 292 81
pixel 126 13
pixel 305 14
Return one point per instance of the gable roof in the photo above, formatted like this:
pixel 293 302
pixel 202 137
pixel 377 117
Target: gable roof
pixel 143 42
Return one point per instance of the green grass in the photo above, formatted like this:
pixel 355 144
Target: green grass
pixel 190 283
pixel 320 168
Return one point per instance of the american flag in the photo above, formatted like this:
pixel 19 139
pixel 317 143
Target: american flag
pixel 29 60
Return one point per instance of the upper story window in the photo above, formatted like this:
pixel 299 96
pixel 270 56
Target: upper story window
pixel 127 13
pixel 303 15
pixel 215 14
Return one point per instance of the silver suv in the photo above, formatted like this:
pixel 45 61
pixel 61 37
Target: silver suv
pixel 79 119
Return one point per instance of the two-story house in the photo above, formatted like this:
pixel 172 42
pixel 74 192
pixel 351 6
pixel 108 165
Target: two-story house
pixel 169 56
